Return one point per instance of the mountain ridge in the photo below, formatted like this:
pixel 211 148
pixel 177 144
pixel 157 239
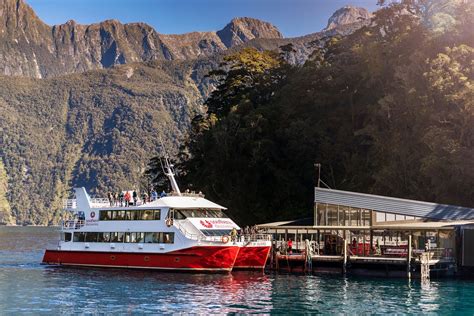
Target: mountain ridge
pixel 32 48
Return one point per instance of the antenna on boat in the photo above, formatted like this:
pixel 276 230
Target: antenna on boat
pixel 168 169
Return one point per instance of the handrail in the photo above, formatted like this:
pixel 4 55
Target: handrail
pixel 71 204
pixel 72 224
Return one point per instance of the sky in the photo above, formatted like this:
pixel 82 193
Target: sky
pixel 292 17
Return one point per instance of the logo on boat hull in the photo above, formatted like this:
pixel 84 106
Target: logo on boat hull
pixel 205 223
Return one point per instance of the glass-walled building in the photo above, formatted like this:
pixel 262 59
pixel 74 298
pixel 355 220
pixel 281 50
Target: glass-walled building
pixel 375 225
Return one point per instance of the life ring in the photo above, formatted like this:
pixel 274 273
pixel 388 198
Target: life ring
pixel 225 239
pixel 169 222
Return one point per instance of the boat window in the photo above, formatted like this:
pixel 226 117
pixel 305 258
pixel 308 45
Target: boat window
pixel 216 232
pixel 105 215
pixel 103 237
pixel 136 215
pixel 147 215
pixel 113 237
pixel 67 237
pixel 91 237
pixel 168 238
pixel 140 237
pixel 79 237
pixel 158 237
pixel 127 215
pixel 127 237
pixel 203 213
pixel 148 238
pixel 130 237
pixel 177 214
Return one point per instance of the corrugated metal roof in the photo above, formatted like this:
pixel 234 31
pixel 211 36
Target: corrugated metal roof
pixel 393 205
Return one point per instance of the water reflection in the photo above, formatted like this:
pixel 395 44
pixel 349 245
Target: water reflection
pixel 28 287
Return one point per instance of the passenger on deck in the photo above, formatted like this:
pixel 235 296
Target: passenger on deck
pixel 135 197
pixel 144 197
pixel 121 198
pixel 110 196
pixel 154 195
pixel 127 198
pixel 163 194
pixel 116 199
pixel 290 246
pixel 233 235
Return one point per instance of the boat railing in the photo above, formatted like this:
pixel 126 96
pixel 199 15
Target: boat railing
pixel 197 237
pixel 256 237
pixel 72 224
pixel 71 204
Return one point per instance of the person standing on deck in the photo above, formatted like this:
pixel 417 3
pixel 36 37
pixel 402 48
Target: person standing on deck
pixel 127 198
pixel 290 246
pixel 110 196
pixel 154 195
pixel 233 235
pixel 143 197
pixel 116 198
pixel 121 198
pixel 135 198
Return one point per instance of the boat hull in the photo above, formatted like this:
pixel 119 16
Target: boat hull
pixel 252 257
pixel 199 258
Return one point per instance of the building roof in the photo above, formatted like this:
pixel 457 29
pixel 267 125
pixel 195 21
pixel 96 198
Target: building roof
pixel 392 205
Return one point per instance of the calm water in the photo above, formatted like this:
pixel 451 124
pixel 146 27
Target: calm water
pixel 26 287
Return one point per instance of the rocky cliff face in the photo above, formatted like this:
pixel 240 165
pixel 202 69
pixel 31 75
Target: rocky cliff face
pixel 29 47
pixel 348 15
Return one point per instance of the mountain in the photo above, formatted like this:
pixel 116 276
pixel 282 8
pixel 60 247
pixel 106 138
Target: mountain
pixel 96 129
pixel 31 48
pixel 87 105
pixel 348 15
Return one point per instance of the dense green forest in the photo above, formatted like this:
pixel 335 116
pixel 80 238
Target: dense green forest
pixel 387 110
pixel 96 129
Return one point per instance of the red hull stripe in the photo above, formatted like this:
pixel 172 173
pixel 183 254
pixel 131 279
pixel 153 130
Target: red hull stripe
pixel 195 258
pixel 252 257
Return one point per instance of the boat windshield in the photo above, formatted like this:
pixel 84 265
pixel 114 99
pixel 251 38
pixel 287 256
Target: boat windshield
pixel 216 232
pixel 182 214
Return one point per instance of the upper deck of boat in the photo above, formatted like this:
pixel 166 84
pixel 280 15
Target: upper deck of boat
pixel 187 200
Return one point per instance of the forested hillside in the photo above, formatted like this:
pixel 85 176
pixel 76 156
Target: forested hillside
pixel 386 110
pixel 96 129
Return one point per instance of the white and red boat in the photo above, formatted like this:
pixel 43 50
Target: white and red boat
pixel 178 232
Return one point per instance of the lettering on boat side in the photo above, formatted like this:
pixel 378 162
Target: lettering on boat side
pixel 206 223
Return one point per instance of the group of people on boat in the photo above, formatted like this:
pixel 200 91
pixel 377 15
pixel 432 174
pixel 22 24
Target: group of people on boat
pixel 128 198
pixel 246 234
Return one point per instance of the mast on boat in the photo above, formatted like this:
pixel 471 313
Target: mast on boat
pixel 169 172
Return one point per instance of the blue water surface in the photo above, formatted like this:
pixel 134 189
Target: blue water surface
pixel 27 287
